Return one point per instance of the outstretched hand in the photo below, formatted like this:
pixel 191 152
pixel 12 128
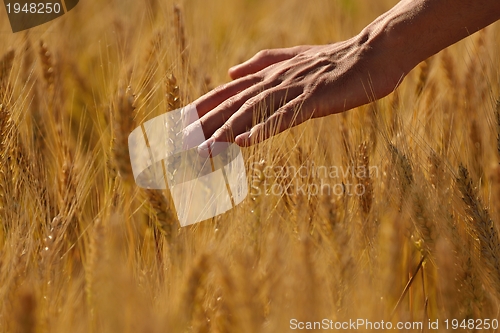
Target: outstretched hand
pixel 282 88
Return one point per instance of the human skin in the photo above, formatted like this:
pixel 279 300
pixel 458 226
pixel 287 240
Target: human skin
pixel 291 85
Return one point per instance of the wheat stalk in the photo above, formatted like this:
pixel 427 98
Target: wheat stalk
pixel 436 169
pixel 194 287
pixel 448 65
pixel 483 230
pixel 423 221
pixel 47 62
pixel 160 203
pixel 5 134
pixel 67 184
pixel 15 162
pixel 366 199
pixel 52 246
pixel 345 138
pixel 180 35
pixel 470 85
pixel 423 76
pixel 95 257
pixel 163 211
pixel 403 169
pixel 497 114
pixel 394 110
pixel 477 148
pixel 151 61
pixel 6 63
pixel 123 112
pixel 173 94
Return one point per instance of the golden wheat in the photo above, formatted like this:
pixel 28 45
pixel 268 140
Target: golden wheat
pixel 83 249
pixel 482 228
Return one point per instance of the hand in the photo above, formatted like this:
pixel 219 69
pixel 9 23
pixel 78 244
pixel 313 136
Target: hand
pixel 285 87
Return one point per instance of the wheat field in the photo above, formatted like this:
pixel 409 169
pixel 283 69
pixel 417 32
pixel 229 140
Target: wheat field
pixel 83 249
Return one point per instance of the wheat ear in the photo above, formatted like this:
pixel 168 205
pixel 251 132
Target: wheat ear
pixel 483 230
pixel 123 124
pixel 6 63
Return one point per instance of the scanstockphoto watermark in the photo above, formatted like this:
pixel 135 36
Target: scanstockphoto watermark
pixel 310 179
pixel 359 324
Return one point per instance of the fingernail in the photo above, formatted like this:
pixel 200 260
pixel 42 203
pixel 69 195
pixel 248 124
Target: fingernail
pixel 205 149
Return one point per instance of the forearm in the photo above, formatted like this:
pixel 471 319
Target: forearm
pixel 414 30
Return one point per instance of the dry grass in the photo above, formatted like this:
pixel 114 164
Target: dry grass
pixel 83 249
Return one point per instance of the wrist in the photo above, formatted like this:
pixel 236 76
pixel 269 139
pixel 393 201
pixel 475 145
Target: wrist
pixel 387 49
pixel 393 39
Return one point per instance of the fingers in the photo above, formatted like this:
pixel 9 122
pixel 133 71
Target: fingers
pixel 291 114
pixel 242 78
pixel 264 59
pixel 219 115
pixel 253 110
pixel 228 111
pixel 211 100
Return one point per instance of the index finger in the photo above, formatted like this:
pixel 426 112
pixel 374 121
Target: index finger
pixel 212 99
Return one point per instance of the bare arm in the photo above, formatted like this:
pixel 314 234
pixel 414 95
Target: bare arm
pixel 292 85
pixel 422 28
